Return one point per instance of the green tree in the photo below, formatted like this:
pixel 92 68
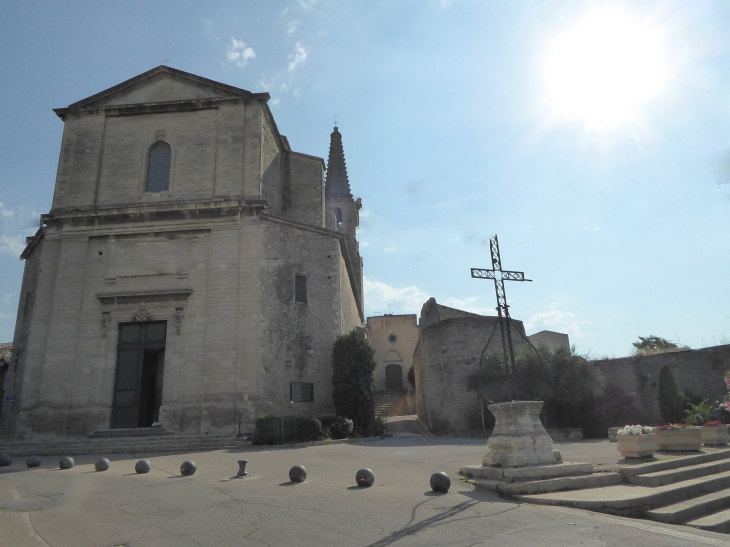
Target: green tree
pixel 411 376
pixel 570 385
pixel 654 344
pixel 670 403
pixel 353 365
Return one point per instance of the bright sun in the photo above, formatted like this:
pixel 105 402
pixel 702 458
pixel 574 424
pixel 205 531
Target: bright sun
pixel 605 68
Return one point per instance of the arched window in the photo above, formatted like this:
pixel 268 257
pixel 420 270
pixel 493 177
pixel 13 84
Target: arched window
pixel 158 168
pixel 338 216
pixel 393 377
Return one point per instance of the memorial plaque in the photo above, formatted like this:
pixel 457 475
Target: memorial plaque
pixel 301 392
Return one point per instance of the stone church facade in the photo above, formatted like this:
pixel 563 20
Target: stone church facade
pixel 193 270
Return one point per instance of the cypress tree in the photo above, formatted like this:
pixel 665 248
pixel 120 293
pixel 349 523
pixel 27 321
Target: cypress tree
pixel 670 404
pixel 353 365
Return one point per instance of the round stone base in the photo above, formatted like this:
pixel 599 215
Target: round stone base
pixel 519 438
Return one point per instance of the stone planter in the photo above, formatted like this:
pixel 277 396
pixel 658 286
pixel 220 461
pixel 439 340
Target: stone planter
pixel 715 435
pixel 679 439
pixel 612 434
pixel 519 438
pixel 637 446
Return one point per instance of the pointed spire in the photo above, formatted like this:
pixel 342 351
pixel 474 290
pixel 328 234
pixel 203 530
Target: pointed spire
pixel 336 182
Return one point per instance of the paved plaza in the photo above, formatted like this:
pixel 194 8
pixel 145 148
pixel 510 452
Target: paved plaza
pixel 81 507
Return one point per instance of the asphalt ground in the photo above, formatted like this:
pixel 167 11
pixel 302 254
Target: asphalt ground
pixel 81 507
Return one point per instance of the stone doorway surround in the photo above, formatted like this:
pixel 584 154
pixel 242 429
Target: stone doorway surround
pixel 143 306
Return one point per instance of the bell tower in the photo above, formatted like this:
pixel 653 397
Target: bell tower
pixel 343 211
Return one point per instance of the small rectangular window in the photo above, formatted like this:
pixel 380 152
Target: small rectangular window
pixel 300 289
pixel 301 392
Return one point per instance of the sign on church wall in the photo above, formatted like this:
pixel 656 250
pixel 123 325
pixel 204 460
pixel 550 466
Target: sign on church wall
pixel 301 392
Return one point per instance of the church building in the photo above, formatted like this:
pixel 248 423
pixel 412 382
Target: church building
pixel 193 270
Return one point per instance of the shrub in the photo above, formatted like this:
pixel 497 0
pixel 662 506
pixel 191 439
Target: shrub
pixel 297 429
pixel 699 413
pixel 570 385
pixel 411 376
pixel 339 427
pixel 378 428
pixel 268 430
pixel 670 403
pixel 353 365
pixel 616 408
pixel 308 429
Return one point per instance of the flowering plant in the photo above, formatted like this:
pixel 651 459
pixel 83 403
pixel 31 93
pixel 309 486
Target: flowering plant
pixel 675 426
pixel 716 423
pixel 634 430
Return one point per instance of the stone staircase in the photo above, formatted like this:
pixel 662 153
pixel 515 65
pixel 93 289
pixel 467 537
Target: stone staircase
pixel 392 402
pixel 101 444
pixel 691 490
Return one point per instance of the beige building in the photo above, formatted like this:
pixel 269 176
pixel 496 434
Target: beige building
pixel 192 268
pixel 394 338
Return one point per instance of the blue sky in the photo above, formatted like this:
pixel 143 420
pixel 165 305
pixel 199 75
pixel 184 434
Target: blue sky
pixel 605 178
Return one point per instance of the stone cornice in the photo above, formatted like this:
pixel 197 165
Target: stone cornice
pixel 170 211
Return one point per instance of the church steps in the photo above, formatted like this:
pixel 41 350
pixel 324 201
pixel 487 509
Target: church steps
pixel 120 445
pixel 662 478
pixel 634 500
pixel 716 522
pixel 676 463
pixel 684 511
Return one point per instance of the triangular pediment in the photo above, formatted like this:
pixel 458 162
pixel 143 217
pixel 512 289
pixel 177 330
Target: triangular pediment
pixel 163 85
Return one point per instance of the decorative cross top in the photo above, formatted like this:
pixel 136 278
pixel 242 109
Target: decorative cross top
pixel 500 276
pixel 335 120
pixel 166 61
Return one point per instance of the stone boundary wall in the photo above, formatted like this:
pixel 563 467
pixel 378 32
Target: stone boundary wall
pixel 702 371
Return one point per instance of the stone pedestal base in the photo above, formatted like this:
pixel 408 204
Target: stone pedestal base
pixel 519 438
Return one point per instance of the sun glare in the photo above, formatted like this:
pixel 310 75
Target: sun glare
pixel 605 68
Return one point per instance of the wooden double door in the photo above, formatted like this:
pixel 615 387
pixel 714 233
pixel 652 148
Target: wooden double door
pixel 139 374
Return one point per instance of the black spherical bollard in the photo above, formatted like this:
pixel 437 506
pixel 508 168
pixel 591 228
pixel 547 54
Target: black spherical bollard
pixel 142 466
pixel 66 462
pixel 440 482
pixel 5 460
pixel 102 464
pixel 365 478
pixel 33 461
pixel 188 468
pixel 298 473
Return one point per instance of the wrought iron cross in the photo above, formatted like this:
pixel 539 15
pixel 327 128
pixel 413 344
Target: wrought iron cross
pixel 500 276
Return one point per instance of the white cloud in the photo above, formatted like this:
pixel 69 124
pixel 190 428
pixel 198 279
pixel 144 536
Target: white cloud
pixel 298 57
pixel 379 295
pixel 238 53
pixel 15 225
pixel 468 304
pixel 13 245
pixel 556 320
pixel 390 250
pixel 292 27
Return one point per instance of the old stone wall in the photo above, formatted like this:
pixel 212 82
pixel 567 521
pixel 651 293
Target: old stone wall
pixel 306 189
pixel 446 355
pixel 702 371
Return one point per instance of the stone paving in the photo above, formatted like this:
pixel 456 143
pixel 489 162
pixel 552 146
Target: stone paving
pixel 80 507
